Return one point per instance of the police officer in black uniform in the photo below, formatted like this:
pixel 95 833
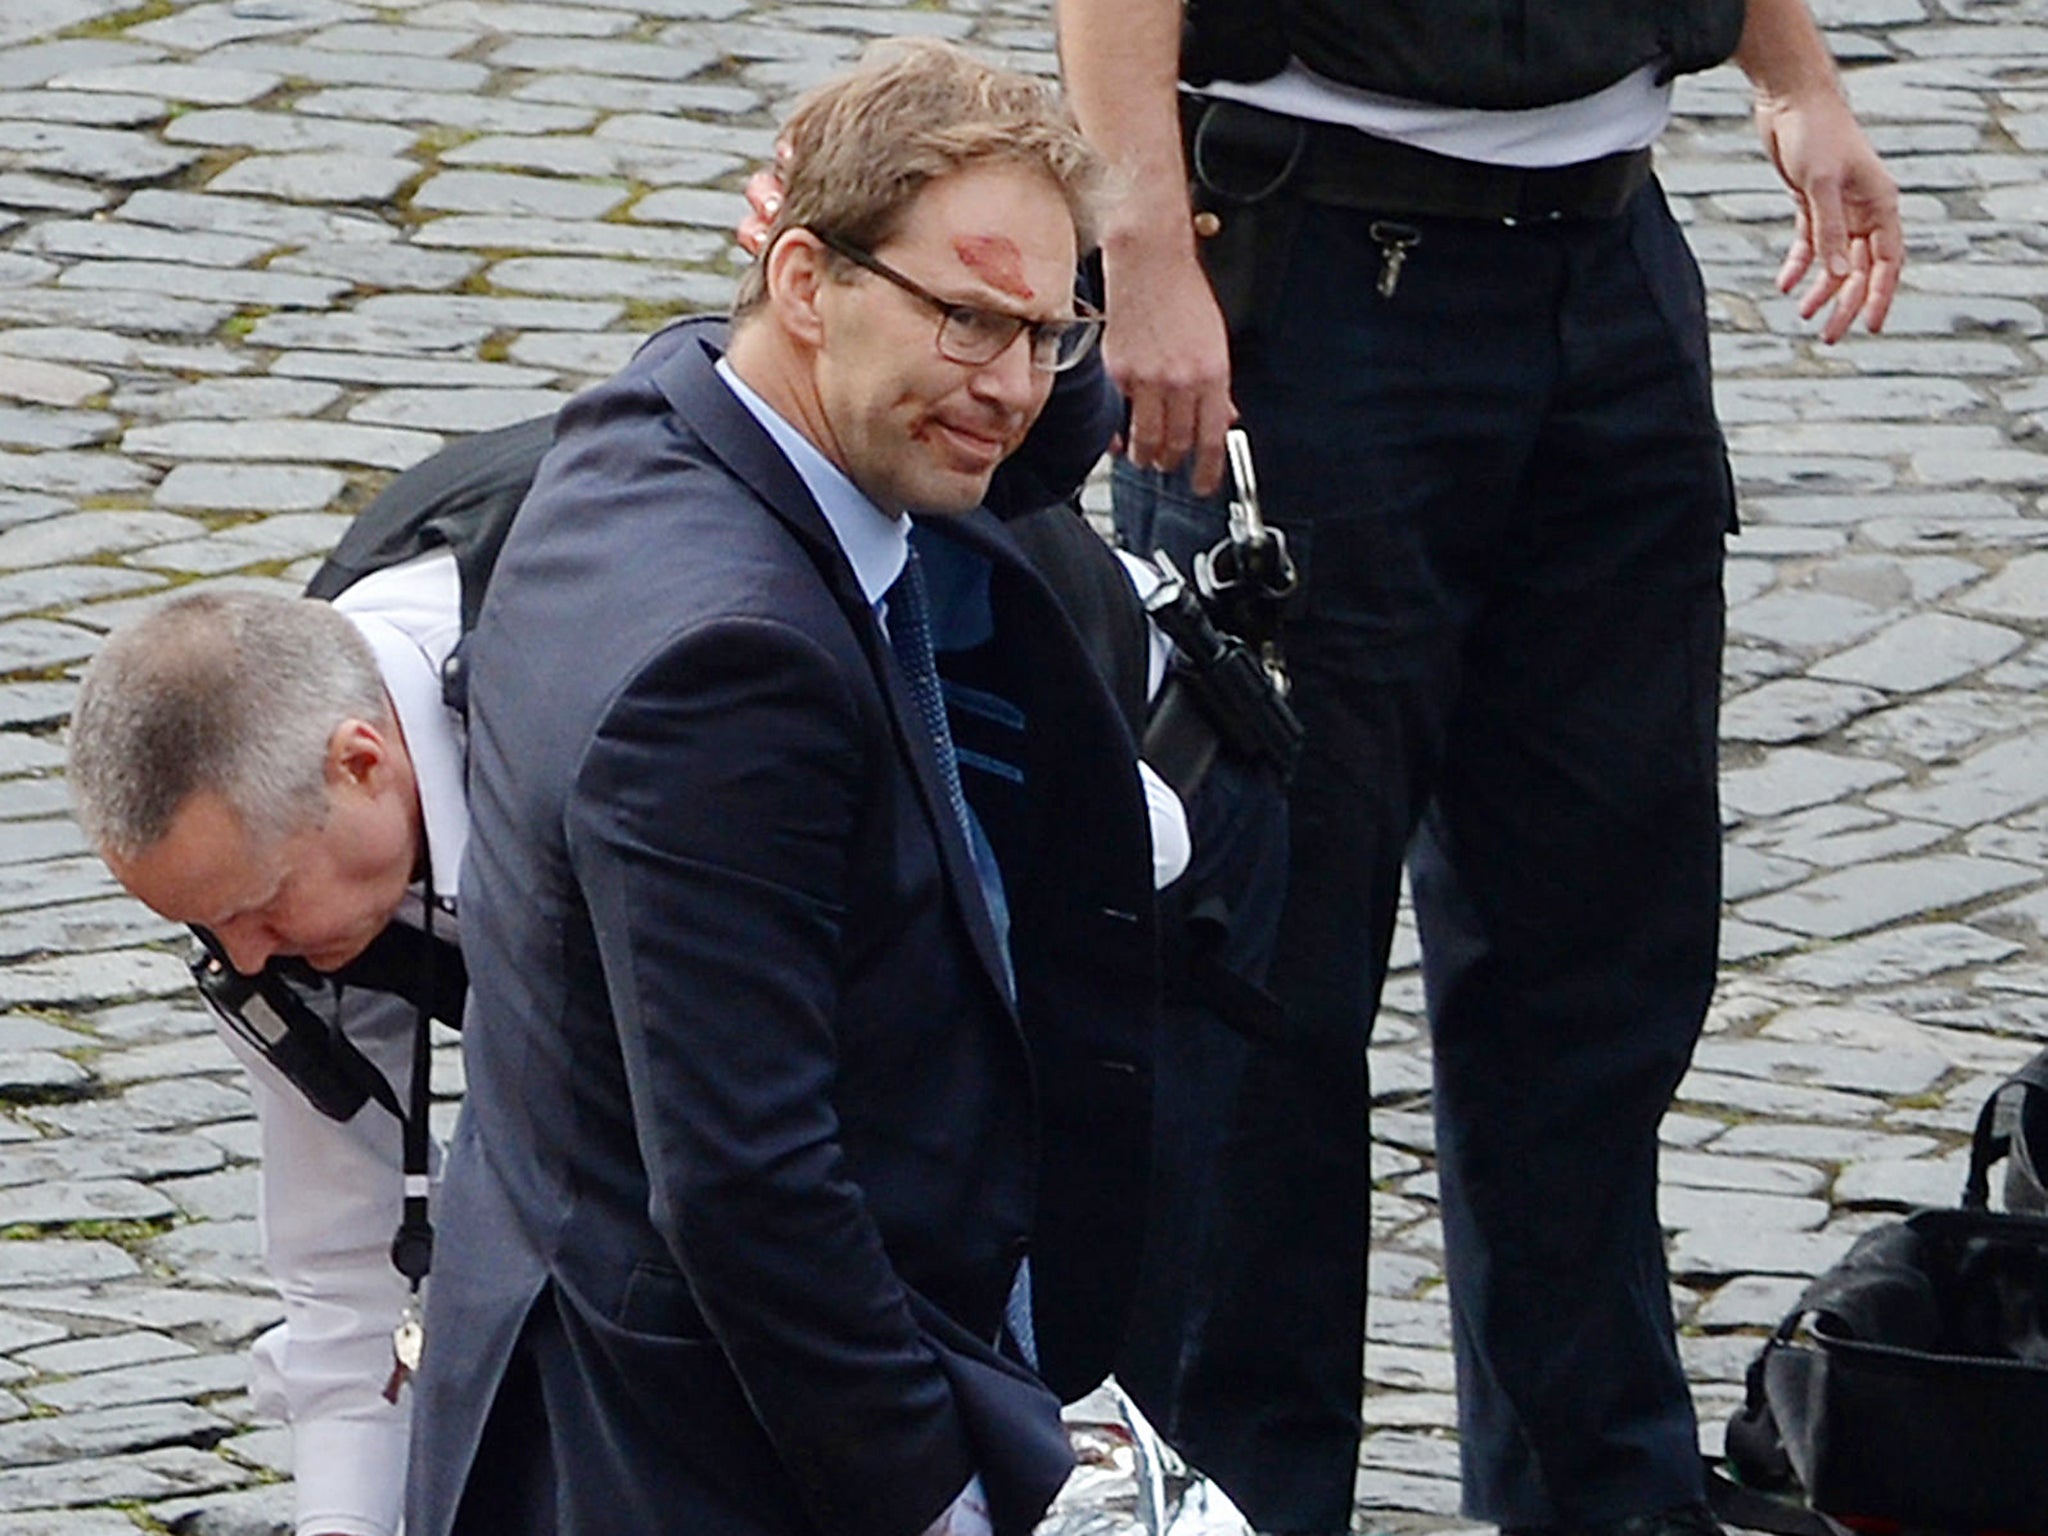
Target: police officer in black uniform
pixel 1470 347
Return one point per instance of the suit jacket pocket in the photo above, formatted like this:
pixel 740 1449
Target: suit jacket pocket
pixel 657 1300
pixel 1014 1432
pixel 675 1396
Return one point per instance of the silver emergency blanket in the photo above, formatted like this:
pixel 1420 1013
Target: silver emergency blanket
pixel 1130 1482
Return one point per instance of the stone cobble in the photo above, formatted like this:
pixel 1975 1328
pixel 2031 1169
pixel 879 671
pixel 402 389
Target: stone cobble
pixel 257 255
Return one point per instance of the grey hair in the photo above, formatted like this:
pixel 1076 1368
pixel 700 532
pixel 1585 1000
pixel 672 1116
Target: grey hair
pixel 237 693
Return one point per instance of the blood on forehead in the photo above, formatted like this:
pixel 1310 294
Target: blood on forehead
pixel 996 261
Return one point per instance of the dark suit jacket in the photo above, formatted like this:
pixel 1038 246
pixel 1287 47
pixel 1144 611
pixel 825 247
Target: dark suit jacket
pixel 752 1125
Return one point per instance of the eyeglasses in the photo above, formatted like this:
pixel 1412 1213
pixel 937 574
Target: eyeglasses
pixel 973 336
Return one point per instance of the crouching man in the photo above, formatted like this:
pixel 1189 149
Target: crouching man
pixel 283 774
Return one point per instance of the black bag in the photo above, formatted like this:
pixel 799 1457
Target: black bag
pixel 1909 1386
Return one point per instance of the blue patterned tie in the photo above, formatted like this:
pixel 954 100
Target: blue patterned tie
pixel 910 637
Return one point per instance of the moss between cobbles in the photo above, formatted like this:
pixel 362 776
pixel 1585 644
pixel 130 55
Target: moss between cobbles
pixel 119 1233
pixel 218 522
pixel 646 316
pixel 121 21
pixel 436 139
pixel 52 674
pixel 362 488
pixel 279 568
pixel 31 1098
pixel 622 212
pixel 1726 1114
pixel 200 173
pixel 51 1013
pixel 397 209
pixel 146 1520
pixel 258 1473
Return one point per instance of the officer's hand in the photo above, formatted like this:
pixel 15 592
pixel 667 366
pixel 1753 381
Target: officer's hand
pixel 1167 350
pixel 764 201
pixel 1846 210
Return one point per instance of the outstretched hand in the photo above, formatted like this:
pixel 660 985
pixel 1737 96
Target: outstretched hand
pixel 1846 232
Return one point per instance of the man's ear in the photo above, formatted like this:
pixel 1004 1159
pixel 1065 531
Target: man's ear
pixel 359 754
pixel 797 273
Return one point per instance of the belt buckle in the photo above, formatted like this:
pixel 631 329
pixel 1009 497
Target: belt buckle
pixel 1543 195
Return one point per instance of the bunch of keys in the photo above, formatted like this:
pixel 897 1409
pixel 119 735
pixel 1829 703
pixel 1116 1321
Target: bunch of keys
pixel 407 1340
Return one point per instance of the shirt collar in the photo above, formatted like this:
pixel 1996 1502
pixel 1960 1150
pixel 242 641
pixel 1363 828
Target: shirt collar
pixel 432 744
pixel 874 543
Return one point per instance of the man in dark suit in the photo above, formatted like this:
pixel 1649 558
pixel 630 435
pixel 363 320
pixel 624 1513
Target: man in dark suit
pixel 783 1054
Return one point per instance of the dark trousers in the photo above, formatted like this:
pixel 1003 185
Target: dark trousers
pixel 1508 492
pixel 1225 909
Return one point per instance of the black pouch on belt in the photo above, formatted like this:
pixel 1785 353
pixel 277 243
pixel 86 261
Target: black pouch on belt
pixel 1240 166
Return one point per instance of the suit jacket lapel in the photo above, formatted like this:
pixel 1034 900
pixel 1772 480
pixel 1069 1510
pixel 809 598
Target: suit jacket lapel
pixel 730 433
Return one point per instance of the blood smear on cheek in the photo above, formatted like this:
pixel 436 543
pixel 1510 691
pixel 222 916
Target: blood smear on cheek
pixel 995 261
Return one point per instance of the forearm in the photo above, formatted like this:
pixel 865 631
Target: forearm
pixel 1166 346
pixel 1121 60
pixel 330 1194
pixel 329 1203
pixel 350 1475
pixel 1783 52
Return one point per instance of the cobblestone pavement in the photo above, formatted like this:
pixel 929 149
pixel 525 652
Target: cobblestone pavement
pixel 256 255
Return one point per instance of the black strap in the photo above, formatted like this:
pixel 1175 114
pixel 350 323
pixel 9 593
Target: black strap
pixel 269 1012
pixel 391 964
pixel 1243 1005
pixel 1987 1145
pixel 1738 1504
pixel 412 1248
pixel 1180 740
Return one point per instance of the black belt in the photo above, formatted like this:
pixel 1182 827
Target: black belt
pixel 1240 154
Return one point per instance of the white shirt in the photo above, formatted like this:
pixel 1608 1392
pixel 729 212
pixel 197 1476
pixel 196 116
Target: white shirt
pixel 1626 115
pixel 331 1193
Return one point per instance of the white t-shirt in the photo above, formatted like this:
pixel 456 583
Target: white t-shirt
pixel 1628 114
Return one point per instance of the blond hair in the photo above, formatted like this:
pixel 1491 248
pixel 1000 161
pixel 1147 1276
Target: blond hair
pixel 863 146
